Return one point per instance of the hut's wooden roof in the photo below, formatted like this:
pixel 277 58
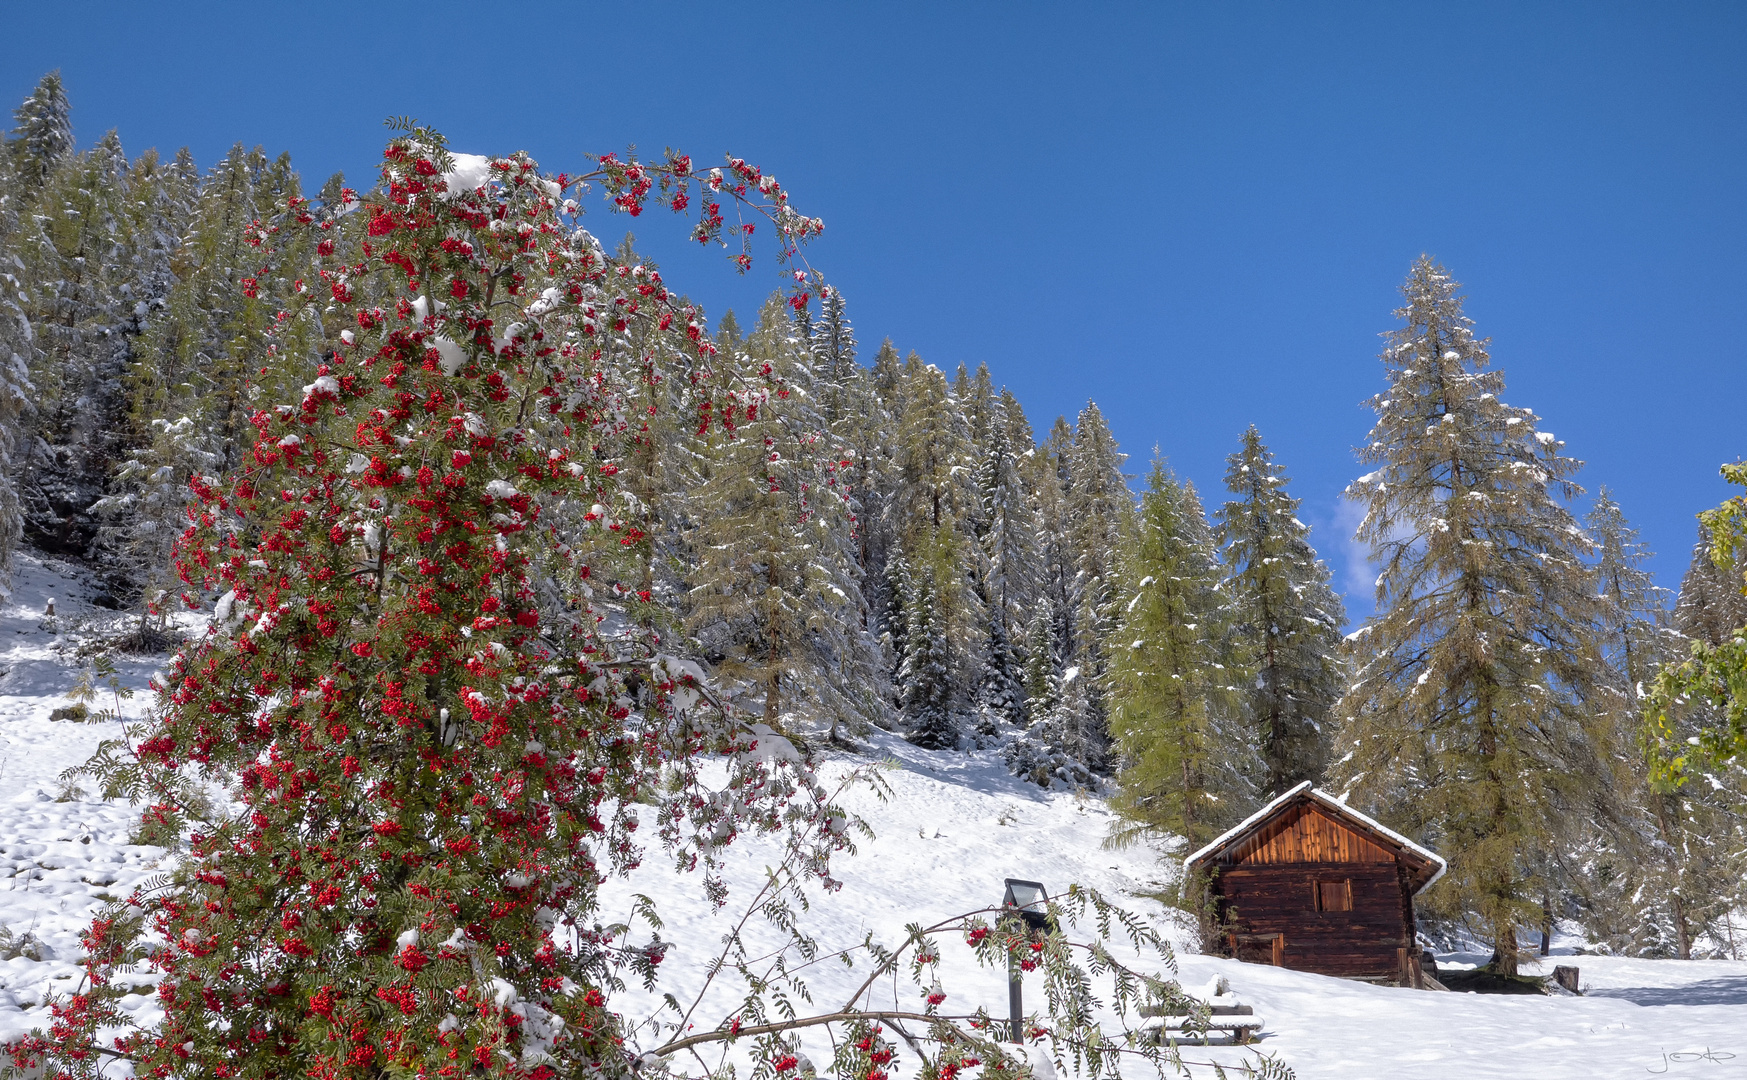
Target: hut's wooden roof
pixel 1308 825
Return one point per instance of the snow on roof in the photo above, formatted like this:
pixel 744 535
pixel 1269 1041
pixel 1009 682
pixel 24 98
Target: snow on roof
pixel 1338 807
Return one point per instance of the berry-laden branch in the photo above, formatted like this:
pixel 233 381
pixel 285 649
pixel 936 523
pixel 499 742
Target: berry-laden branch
pixel 1071 1028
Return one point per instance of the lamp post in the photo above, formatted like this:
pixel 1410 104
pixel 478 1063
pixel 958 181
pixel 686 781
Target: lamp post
pixel 1028 901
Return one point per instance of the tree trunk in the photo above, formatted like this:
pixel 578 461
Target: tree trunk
pixel 1546 923
pixel 773 660
pixel 1667 807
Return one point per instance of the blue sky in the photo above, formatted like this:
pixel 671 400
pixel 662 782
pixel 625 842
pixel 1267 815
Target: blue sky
pixel 1195 215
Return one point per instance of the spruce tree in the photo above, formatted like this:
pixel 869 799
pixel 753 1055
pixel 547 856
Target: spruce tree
pixel 1101 511
pixel 1059 559
pixel 43 138
pixel 832 341
pixel 1001 687
pixel 1286 619
pixel 16 393
pixel 933 506
pixel 863 432
pixel 73 251
pixel 1711 605
pixel 1008 541
pixel 925 677
pixel 888 377
pixel 1471 722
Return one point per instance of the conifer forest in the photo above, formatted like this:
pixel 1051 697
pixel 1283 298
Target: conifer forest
pixel 503 542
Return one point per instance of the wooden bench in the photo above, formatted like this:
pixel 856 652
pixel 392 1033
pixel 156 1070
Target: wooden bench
pixel 1239 1029
pixel 1238 1022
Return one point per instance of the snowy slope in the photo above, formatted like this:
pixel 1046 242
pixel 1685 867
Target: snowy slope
pixel 955 827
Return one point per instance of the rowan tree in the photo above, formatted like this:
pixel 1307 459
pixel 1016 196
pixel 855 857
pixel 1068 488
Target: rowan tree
pixel 437 752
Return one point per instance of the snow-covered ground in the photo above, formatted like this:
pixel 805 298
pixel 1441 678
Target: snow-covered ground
pixel 955 827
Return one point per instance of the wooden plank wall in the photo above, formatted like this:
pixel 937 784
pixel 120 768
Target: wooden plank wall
pixel 1307 835
pixel 1265 899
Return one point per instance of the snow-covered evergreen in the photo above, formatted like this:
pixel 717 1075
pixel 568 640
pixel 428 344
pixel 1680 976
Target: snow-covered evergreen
pixel 775 595
pixel 1285 619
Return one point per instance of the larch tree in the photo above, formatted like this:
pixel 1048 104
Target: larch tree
pixel 1286 618
pixel 1472 721
pixel 1188 763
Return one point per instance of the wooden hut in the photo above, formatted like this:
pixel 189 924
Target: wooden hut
pixel 1309 883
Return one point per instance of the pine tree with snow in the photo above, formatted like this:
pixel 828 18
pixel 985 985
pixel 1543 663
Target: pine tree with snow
pixel 1471 722
pixel 925 677
pixel 1009 521
pixel 1286 619
pixel 16 394
pixel 1660 879
pixel 832 341
pixel 43 139
pixel 73 250
pixel 144 507
pixel 1058 560
pixel 146 512
pixel 1101 511
pixel 1047 751
pixel 888 377
pixel 15 412
pixel 981 405
pixel 1188 762
pixel 775 597
pixel 933 507
pixel 863 432
pixel 1711 604
pixel 1043 666
pixel 1001 687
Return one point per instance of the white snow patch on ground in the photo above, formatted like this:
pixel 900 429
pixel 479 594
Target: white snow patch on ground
pixel 957 825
